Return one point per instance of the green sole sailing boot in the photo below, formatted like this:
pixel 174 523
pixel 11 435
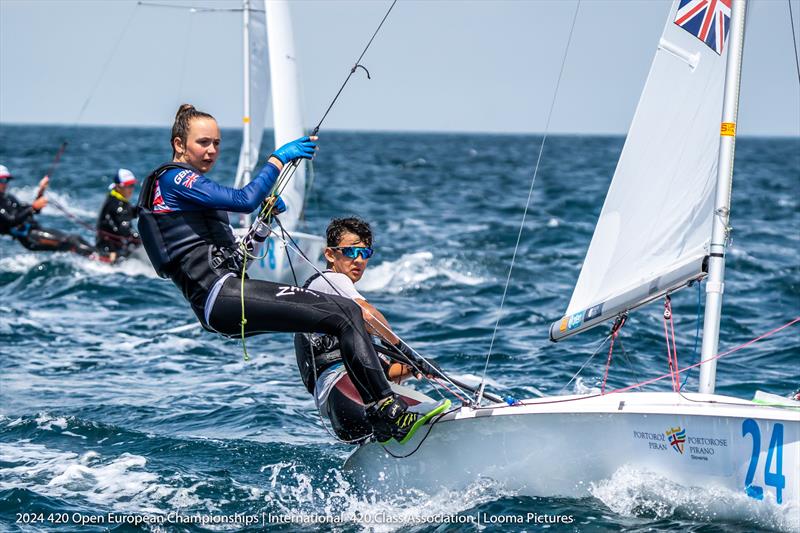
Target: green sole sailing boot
pixel 394 419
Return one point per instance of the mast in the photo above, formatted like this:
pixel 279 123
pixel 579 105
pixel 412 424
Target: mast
pixel 246 100
pixel 720 232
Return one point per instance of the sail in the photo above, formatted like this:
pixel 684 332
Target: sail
pixel 653 232
pixel 287 117
pixel 259 92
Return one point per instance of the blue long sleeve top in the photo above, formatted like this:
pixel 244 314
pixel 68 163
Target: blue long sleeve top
pixel 186 190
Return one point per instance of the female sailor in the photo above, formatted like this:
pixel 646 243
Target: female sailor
pixel 184 227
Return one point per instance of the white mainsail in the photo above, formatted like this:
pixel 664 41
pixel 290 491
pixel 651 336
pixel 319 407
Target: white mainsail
pixel 287 117
pixel 257 92
pixel 653 232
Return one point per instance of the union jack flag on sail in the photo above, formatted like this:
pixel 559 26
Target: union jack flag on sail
pixel 708 20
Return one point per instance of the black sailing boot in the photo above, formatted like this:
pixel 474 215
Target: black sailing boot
pixel 393 418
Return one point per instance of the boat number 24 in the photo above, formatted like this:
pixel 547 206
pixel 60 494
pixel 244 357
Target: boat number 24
pixel 775 454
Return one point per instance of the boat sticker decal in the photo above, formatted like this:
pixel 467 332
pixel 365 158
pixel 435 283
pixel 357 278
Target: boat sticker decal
pixel 772 478
pixel 728 129
pixel 575 320
pixel 677 438
pixel 593 312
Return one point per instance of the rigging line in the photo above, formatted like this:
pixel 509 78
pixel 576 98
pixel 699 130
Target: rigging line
pixel 107 64
pixel 794 40
pixel 185 63
pixel 200 9
pixel 292 245
pixel 265 212
pixel 718 356
pixel 696 332
pixel 355 66
pixel 530 195
pixel 599 346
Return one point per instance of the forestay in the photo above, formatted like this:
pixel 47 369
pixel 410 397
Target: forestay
pixel 653 232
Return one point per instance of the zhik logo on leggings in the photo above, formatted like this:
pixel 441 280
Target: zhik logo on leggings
pixel 290 290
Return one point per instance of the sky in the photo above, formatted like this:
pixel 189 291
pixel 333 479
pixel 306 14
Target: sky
pixel 437 65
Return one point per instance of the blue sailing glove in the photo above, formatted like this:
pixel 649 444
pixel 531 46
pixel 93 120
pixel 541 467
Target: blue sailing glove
pixel 302 148
pixel 280 207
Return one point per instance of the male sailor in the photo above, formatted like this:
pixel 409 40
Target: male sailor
pixel 17 220
pixel 116 236
pixel 349 247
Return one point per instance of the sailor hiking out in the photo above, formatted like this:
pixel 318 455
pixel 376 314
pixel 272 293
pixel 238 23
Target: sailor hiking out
pixel 319 359
pixel 184 228
pixel 18 220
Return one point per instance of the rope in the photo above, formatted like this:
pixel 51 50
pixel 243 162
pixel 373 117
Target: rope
pixel 794 40
pixel 600 345
pixel 288 171
pixel 672 352
pixel 106 65
pixel 292 245
pixel 663 376
pixel 696 331
pixel 527 202
pixel 718 356
pixel 614 332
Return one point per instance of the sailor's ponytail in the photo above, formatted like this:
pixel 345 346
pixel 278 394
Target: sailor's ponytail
pixel 183 118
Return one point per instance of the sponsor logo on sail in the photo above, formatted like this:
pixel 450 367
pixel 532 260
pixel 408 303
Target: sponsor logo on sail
pixel 575 320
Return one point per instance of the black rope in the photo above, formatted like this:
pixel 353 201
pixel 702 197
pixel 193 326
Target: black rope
pixel 427 434
pixel 288 255
pixel 794 40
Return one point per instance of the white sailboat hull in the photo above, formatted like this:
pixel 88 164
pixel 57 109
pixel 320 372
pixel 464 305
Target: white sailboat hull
pixel 561 446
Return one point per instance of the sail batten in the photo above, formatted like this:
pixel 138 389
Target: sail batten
pixel 658 211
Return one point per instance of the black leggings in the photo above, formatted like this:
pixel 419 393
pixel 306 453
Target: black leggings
pixel 50 240
pixel 273 307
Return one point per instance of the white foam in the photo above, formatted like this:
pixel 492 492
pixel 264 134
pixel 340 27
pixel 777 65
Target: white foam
pixel 27 195
pixel 295 492
pixel 121 483
pixel 411 271
pixel 19 263
pixel 632 492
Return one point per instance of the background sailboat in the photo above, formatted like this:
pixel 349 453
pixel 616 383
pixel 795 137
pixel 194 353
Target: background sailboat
pixel 663 226
pixel 270 62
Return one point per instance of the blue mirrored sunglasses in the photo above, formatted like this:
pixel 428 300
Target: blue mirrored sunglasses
pixel 354 251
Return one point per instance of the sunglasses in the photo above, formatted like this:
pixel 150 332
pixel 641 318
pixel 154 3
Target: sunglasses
pixel 352 252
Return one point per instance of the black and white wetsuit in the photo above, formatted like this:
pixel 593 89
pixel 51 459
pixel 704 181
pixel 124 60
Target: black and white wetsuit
pixel 184 228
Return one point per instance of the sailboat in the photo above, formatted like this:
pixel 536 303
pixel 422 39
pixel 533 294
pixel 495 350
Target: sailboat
pixel 270 61
pixel 663 226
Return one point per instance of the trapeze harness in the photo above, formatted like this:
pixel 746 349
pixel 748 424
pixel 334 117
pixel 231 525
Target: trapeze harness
pixel 196 249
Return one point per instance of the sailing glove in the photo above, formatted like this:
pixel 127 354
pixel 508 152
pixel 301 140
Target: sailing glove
pixel 302 148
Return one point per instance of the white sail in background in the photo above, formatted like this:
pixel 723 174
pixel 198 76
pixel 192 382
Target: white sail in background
pixel 259 92
pixel 656 221
pixel 287 117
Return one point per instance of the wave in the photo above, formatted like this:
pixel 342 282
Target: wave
pixel 27 261
pixel 412 271
pixel 633 492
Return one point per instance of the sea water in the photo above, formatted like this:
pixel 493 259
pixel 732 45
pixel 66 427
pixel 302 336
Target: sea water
pixel 115 409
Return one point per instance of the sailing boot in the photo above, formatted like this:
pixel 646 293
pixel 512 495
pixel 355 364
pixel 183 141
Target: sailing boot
pixel 393 418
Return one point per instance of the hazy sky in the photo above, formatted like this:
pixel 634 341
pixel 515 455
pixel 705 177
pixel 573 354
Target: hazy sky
pixel 436 65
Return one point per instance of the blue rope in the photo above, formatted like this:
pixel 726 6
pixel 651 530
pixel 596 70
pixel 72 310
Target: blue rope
pixel 696 334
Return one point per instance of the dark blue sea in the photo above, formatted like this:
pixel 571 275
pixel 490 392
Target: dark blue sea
pixel 111 401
